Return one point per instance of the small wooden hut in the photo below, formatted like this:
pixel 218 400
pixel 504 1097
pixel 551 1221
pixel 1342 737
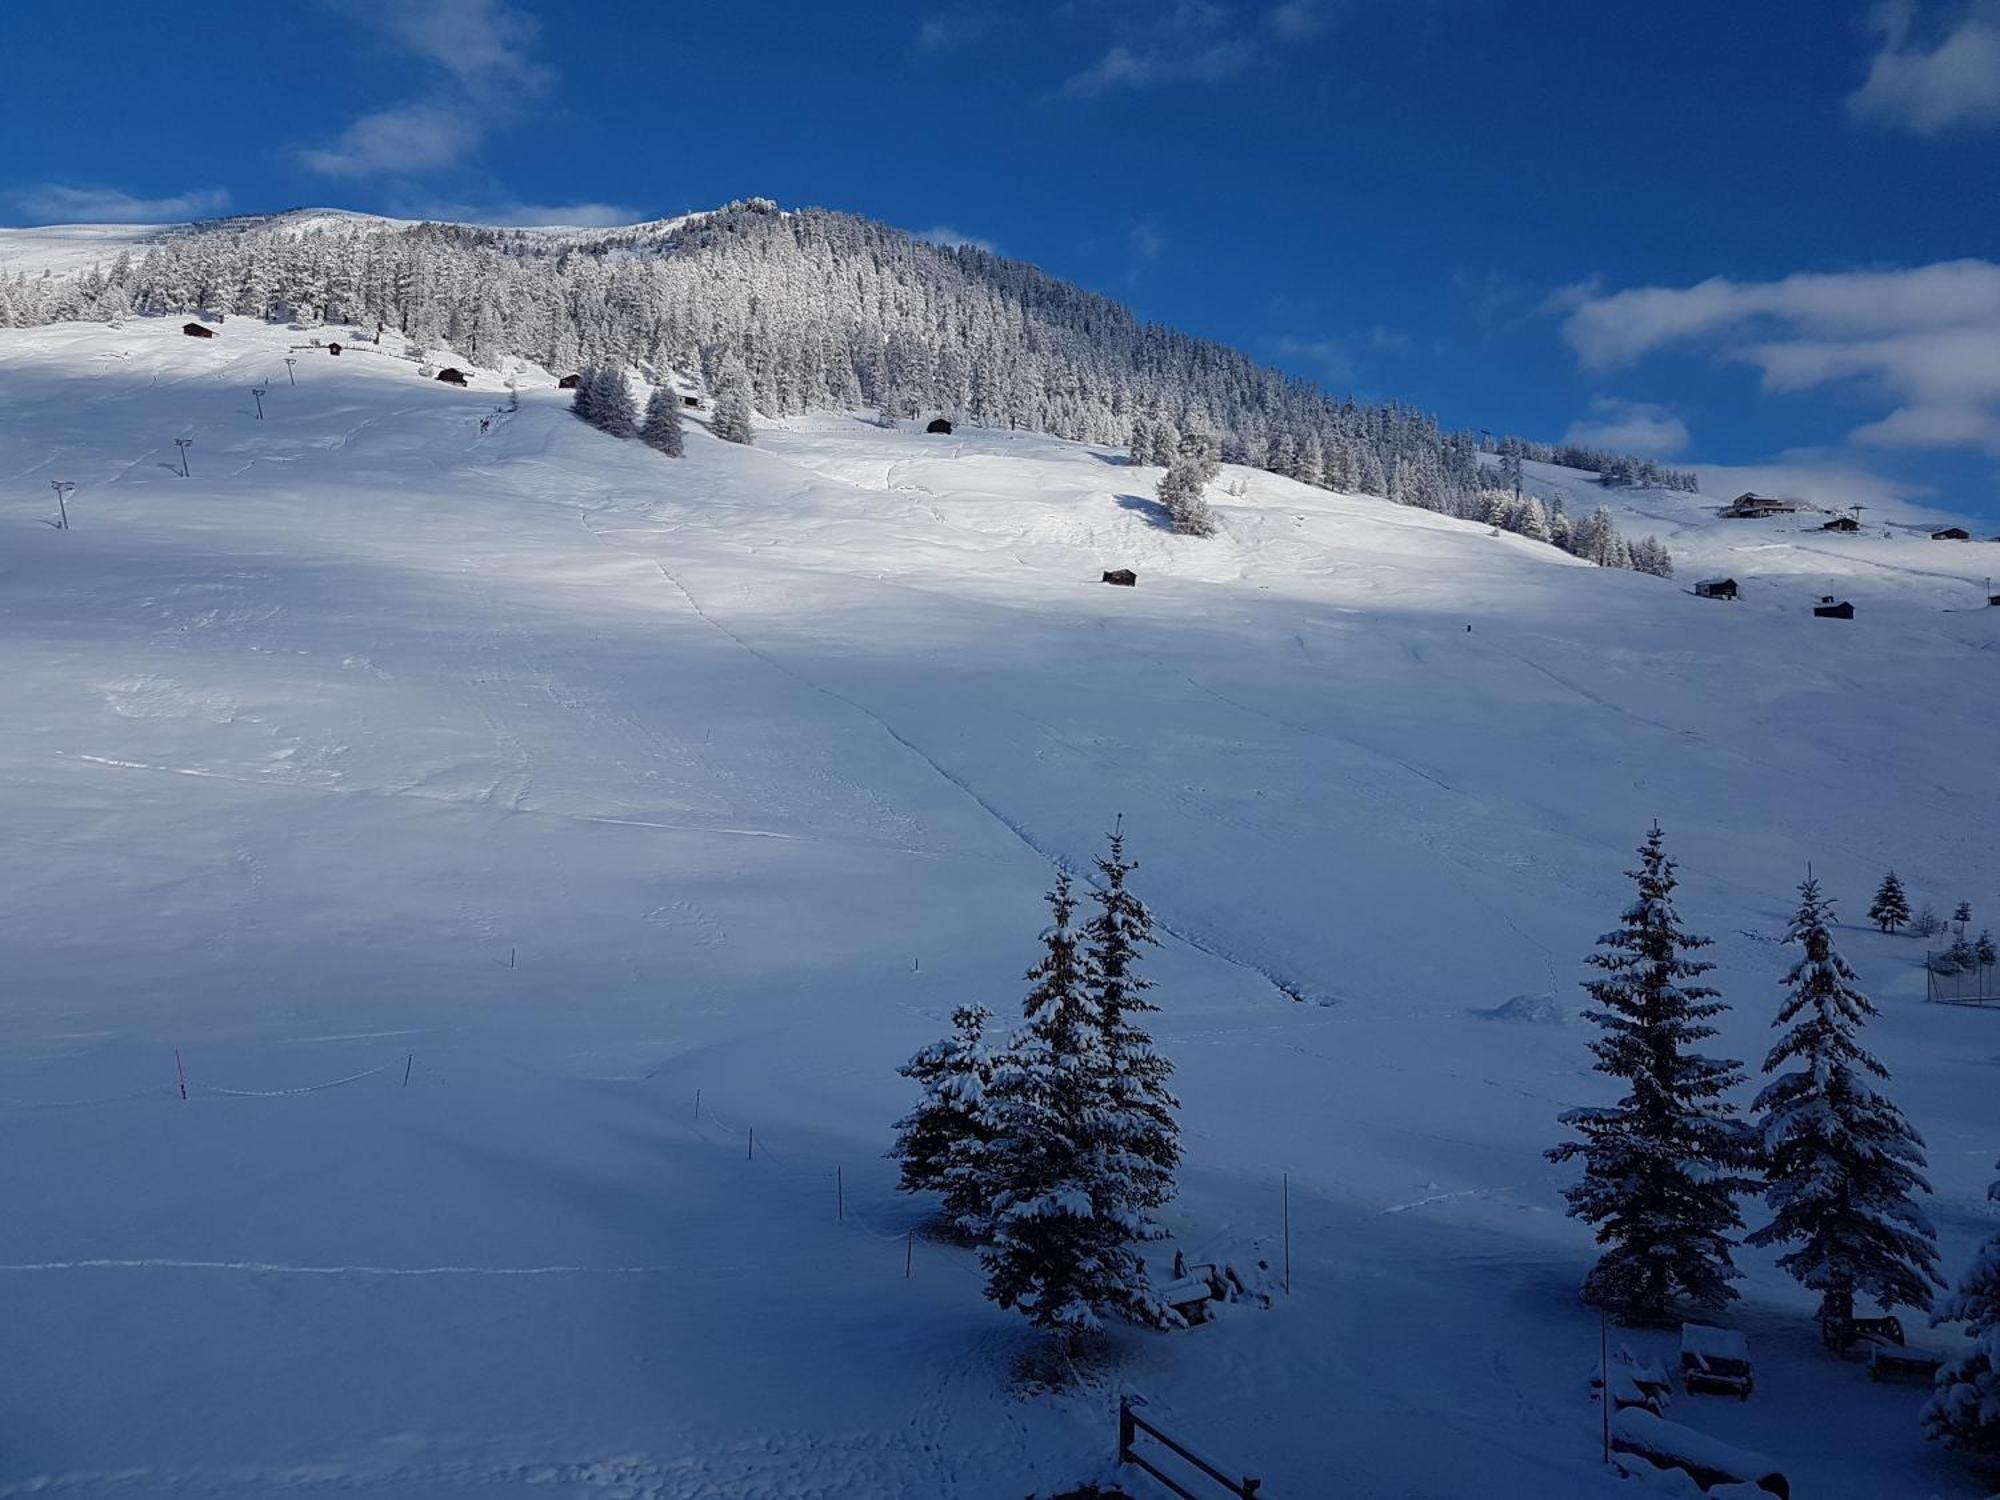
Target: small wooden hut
pixel 1830 608
pixel 451 375
pixel 1124 578
pixel 939 424
pixel 1716 588
pixel 569 382
pixel 1951 534
pixel 197 331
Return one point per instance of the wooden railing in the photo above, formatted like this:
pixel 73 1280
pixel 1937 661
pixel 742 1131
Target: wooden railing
pixel 1131 1424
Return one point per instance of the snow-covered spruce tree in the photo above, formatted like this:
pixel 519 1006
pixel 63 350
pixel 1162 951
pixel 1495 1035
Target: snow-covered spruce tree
pixel 661 431
pixel 611 408
pixel 1062 1186
pixel 1140 449
pixel 1181 487
pixel 1984 953
pixel 938 1141
pixel 1891 908
pixel 732 421
pixel 1961 916
pixel 1925 923
pixel 1662 1169
pixel 583 402
pixel 1964 1409
pixel 1842 1166
pixel 1142 1106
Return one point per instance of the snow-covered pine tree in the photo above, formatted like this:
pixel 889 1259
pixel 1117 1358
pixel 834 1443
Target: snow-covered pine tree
pixel 732 421
pixel 583 403
pixel 938 1141
pixel 1841 1163
pixel 611 407
pixel 1984 953
pixel 1181 487
pixel 1142 1105
pixel 1891 908
pixel 1961 916
pixel 1061 1189
pixel 1140 449
pixel 1664 1166
pixel 661 430
pixel 1964 1409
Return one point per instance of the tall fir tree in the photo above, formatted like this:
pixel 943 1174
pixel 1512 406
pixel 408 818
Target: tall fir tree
pixel 1142 1106
pixel 732 421
pixel 583 403
pixel 1663 1167
pixel 938 1142
pixel 1182 488
pixel 661 431
pixel 1964 1408
pixel 1891 908
pixel 1062 1187
pixel 611 407
pixel 1984 953
pixel 1842 1164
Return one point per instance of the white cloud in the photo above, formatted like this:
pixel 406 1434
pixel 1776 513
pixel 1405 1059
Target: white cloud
pixel 409 138
pixel 944 234
pixel 67 203
pixel 954 27
pixel 479 49
pixel 1925 338
pixel 1148 243
pixel 1194 41
pixel 509 215
pixel 1629 427
pixel 1950 82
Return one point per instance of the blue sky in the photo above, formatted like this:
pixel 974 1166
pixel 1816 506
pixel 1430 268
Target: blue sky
pixel 1757 234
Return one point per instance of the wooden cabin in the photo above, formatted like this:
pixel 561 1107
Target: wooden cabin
pixel 1951 534
pixel 569 382
pixel 690 400
pixel 939 424
pixel 451 375
pixel 1124 578
pixel 1716 588
pixel 197 331
pixel 333 348
pixel 1842 523
pixel 1751 506
pixel 1830 608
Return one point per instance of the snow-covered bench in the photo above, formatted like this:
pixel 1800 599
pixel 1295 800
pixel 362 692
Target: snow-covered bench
pixel 1716 1359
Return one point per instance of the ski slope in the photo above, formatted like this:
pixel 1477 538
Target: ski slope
pixel 499 822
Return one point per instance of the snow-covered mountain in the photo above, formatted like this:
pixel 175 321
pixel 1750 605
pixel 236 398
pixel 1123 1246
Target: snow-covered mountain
pixel 497 822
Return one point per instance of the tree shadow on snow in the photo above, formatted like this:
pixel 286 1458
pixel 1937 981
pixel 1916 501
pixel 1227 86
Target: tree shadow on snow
pixel 1154 512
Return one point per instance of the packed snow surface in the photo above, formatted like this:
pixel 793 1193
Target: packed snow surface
pixel 497 823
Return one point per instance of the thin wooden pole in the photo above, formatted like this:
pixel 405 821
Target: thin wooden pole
pixel 839 1194
pixel 1288 1233
pixel 1604 1371
pixel 752 1152
pixel 180 1072
pixel 697 1106
pixel 909 1251
pixel 410 1063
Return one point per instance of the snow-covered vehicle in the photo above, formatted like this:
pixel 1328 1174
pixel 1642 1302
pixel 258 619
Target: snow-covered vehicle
pixel 1716 1359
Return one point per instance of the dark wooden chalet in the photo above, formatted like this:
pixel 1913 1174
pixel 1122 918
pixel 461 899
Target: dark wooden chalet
pixel 451 375
pixel 1842 523
pixel 1124 578
pixel 939 424
pixel 1830 608
pixel 569 382
pixel 1951 534
pixel 197 331
pixel 1716 588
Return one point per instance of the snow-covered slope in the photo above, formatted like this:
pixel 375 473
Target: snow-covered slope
pixel 500 822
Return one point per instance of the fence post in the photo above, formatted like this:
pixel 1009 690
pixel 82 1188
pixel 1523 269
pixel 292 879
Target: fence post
pixel 1127 1430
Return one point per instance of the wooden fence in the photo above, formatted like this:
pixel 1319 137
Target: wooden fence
pixel 1131 1425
